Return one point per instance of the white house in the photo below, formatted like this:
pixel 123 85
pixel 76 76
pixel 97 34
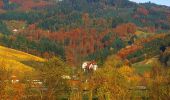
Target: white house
pixel 15 30
pixel 89 65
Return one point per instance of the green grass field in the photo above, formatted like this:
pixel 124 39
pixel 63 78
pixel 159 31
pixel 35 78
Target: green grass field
pixel 145 66
pixel 142 68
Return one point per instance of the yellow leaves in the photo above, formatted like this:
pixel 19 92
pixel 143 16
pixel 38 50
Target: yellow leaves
pixel 14 66
pixel 113 61
pixel 126 71
pixel 135 79
pixel 147 75
pixel 129 74
pixel 160 79
pixel 1 35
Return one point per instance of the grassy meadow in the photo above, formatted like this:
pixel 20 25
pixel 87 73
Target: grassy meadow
pixel 11 60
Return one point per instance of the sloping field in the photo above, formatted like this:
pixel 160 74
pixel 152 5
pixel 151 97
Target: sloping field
pixel 146 65
pixel 11 60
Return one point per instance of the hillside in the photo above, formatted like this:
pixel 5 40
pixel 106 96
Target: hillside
pixel 11 60
pixel 24 5
pixel 84 50
pixel 78 30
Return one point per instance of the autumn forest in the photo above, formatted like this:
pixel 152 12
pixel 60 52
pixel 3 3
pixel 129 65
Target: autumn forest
pixel 84 50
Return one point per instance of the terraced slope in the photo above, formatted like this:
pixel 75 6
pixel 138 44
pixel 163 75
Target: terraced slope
pixel 11 60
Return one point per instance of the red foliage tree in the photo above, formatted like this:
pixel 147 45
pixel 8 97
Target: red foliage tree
pixel 28 4
pixel 123 53
pixel 124 30
pixel 1 3
pixel 143 11
pixel 78 42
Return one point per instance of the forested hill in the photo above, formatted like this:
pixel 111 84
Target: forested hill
pixel 78 30
pixel 67 12
pixel 52 14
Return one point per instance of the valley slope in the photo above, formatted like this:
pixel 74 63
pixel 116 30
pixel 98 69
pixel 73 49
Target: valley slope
pixel 81 30
pixel 12 60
